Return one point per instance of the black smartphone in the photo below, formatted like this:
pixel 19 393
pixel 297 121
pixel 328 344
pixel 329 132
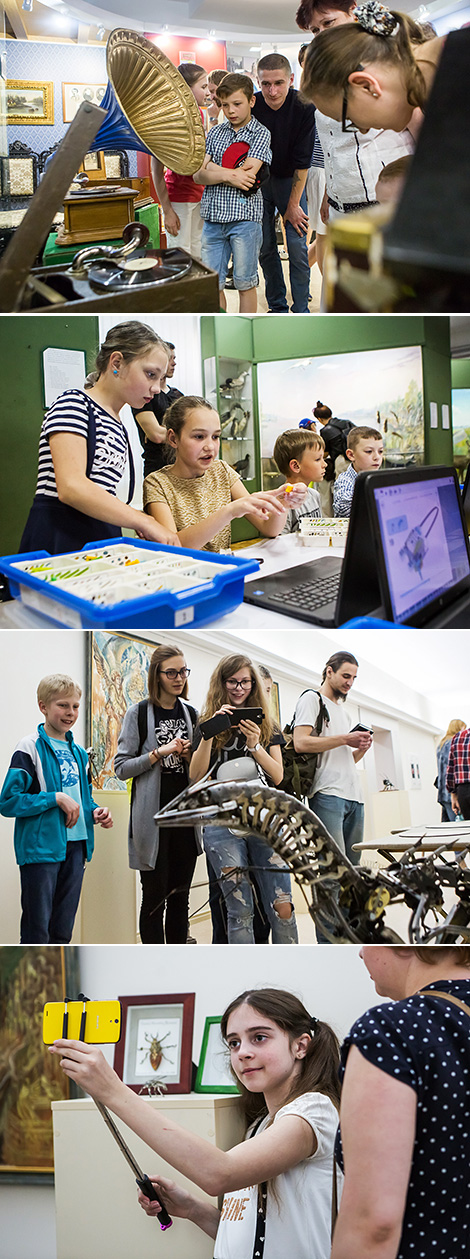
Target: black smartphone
pixel 246 714
pixel 214 725
pixel 360 729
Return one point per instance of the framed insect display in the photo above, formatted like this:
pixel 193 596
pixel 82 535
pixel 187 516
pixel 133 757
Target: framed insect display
pixel 154 1053
pixel 213 1073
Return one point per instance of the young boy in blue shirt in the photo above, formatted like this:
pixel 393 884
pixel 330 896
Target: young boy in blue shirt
pixel 231 210
pixel 365 453
pixel 47 790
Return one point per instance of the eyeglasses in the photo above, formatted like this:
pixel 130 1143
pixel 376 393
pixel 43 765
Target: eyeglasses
pixel 172 674
pixel 239 685
pixel 345 125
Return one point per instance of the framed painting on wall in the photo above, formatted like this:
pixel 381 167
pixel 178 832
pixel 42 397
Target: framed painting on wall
pixel 117 669
pixel 29 102
pixel 213 1073
pixel 31 1077
pixel 74 93
pixel 154 1052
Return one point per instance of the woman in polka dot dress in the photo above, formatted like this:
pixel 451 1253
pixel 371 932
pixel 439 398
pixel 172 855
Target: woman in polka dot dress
pixel 405 1121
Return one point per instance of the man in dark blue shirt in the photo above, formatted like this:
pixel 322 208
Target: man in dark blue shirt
pixel 292 127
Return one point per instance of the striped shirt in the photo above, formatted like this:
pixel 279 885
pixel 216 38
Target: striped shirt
pixel 343 491
pixel 223 203
pixel 69 414
pixel 458 769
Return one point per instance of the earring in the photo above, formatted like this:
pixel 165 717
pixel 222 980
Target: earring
pixel 115 371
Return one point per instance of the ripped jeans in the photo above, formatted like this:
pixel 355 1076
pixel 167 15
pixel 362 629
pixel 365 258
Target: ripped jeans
pixel 227 852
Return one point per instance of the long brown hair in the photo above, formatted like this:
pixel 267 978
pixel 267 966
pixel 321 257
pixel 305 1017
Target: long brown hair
pixel 160 655
pixel 318 1070
pixel 333 55
pixel 257 698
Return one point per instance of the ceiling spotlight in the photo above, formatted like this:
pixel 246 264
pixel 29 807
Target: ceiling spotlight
pixel 100 32
pixel 27 5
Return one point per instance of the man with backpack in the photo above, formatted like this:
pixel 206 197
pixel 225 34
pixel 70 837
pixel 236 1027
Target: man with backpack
pixel 335 794
pixel 335 436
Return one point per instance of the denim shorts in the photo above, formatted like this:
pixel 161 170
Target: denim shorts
pixel 243 240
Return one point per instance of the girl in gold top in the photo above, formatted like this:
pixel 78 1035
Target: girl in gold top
pixel 373 72
pixel 199 493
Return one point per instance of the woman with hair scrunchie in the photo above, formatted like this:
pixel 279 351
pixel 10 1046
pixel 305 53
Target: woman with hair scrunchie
pixel 373 72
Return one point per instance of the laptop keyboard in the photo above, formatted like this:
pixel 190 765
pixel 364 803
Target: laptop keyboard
pixel 310 595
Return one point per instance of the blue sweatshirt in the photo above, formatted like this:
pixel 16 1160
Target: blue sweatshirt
pixel 29 795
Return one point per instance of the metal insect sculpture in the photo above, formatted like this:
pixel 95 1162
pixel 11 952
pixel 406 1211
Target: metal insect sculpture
pixel 348 902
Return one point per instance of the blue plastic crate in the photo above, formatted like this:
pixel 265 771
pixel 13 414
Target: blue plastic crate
pixel 164 609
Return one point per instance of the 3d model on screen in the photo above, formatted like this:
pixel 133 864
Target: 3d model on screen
pixel 415 547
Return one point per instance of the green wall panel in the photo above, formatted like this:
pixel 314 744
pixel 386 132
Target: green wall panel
pixel 22 341
pixel 284 337
pixel 461 373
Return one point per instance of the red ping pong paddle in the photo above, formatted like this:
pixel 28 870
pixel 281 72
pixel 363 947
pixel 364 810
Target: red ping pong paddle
pixel 235 155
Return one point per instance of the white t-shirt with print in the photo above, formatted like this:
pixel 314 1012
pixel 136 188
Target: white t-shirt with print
pixel 336 774
pixel 298 1223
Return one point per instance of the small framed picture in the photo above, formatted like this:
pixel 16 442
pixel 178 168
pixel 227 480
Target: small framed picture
pixel 154 1053
pixel 213 1073
pixel 74 93
pixel 29 102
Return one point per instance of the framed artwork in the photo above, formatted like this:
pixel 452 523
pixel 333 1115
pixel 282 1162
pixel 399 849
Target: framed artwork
pixel 117 670
pixel 31 1077
pixel 213 1073
pixel 74 93
pixel 29 102
pixel 154 1052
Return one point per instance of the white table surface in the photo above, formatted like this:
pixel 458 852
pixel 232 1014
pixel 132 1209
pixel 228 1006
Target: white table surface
pixel 277 554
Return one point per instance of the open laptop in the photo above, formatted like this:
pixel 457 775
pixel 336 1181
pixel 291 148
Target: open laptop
pixel 329 590
pixel 407 558
pixel 466 499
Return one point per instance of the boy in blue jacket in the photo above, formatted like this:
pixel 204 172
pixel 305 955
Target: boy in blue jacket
pixel 48 791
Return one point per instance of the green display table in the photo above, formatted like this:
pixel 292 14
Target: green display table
pixel 54 253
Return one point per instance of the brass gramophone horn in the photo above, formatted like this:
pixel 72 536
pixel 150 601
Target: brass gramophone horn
pixel 150 106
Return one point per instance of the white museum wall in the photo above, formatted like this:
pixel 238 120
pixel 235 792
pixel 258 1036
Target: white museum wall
pixel 108 913
pixel 337 989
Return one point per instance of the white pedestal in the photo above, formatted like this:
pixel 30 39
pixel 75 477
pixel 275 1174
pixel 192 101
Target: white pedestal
pixel 97 1213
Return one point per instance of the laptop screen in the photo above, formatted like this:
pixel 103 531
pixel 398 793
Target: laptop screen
pixel 423 541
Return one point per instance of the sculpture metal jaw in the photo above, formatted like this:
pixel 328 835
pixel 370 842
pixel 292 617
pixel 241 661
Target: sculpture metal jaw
pixel 348 902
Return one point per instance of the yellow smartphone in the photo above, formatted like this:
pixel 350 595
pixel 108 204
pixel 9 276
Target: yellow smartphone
pixel 96 1022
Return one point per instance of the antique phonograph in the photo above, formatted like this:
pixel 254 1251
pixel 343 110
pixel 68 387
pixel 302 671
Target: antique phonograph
pixel 149 107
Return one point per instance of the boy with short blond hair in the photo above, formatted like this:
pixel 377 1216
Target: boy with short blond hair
pixel 300 456
pixel 47 790
pixel 365 451
pixel 231 209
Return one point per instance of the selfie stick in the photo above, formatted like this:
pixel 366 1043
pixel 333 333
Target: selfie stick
pixel 165 1221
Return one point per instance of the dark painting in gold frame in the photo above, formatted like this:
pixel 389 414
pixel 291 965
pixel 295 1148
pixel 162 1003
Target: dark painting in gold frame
pixel 30 1077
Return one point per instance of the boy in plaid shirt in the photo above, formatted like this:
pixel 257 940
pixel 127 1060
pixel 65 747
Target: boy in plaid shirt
pixel 231 209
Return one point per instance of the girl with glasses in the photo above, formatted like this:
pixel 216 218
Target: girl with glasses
pixel 245 750
pixel 154 749
pixel 374 71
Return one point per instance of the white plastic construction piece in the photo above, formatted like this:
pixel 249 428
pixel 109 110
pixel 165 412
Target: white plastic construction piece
pixel 326 532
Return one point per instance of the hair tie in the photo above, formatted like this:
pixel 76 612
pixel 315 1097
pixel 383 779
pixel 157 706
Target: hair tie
pixel 375 18
pixel 313 1024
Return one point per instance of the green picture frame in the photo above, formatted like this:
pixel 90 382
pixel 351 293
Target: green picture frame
pixel 213 1074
